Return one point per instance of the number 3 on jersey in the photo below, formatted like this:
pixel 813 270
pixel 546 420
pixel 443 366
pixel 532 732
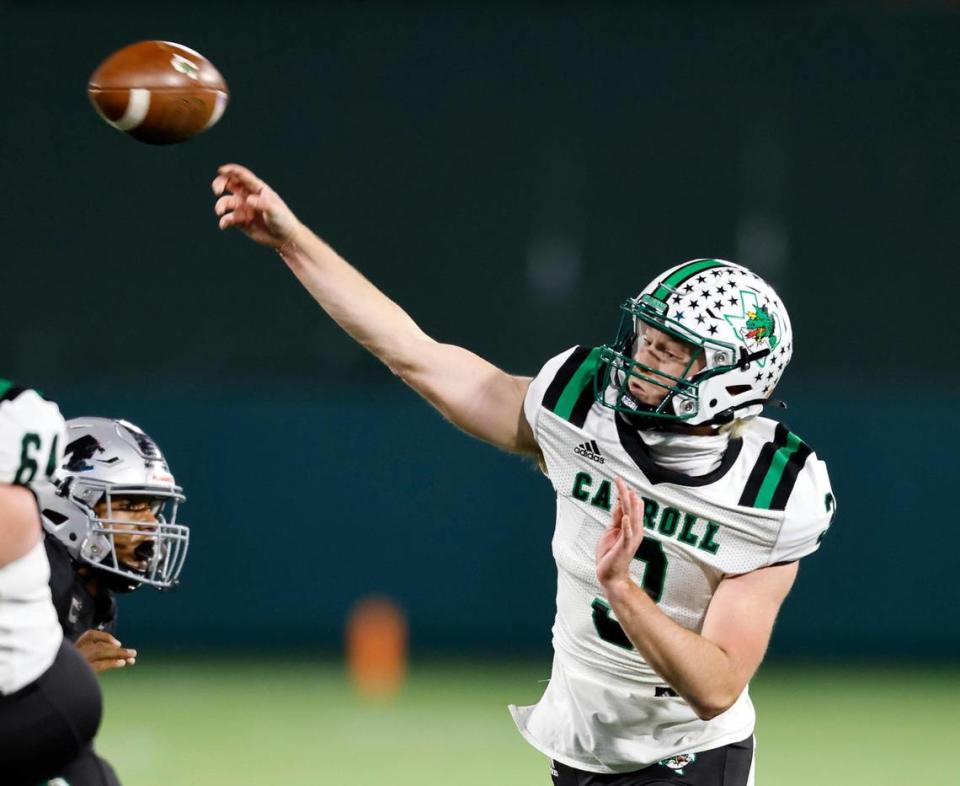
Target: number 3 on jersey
pixel 654 576
pixel 31 448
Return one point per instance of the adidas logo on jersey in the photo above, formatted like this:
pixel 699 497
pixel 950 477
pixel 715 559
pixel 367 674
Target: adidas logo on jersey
pixel 589 450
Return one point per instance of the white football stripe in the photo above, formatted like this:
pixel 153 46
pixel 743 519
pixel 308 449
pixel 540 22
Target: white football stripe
pixel 137 107
pixel 183 48
pixel 218 110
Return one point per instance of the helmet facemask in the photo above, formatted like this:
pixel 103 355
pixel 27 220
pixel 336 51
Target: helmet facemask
pixel 161 544
pixel 683 392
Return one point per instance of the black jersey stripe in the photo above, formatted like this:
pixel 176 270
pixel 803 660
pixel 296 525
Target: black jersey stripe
pixel 562 377
pixel 12 391
pixel 588 396
pixel 778 467
pixel 575 382
pixel 789 478
pixel 578 415
pixel 760 469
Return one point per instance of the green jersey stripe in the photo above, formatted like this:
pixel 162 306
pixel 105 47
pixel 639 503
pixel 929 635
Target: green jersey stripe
pixel 578 382
pixel 789 479
pixel 675 279
pixel 774 475
pixel 563 375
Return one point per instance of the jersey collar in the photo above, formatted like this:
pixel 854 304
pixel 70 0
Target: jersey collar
pixel 640 453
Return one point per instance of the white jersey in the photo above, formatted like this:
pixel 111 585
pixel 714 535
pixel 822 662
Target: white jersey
pixel 767 502
pixel 32 434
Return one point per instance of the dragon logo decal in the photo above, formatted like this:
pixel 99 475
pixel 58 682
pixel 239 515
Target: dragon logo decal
pixel 761 326
pixel 756 325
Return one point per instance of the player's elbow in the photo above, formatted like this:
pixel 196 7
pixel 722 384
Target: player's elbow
pixel 714 703
pixel 707 712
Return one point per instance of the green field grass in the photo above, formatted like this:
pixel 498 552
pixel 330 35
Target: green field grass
pixel 170 722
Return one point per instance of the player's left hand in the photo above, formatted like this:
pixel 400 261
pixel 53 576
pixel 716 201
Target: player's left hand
pixel 620 541
pixel 103 652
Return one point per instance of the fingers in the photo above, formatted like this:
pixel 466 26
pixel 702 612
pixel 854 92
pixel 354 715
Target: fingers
pixel 637 505
pixel 257 201
pixel 238 175
pixel 97 636
pixel 238 207
pixel 112 653
pixel 617 516
pixel 234 209
pixel 631 519
pixel 106 665
pixel 624 497
pixel 223 183
pixel 103 651
pixel 225 203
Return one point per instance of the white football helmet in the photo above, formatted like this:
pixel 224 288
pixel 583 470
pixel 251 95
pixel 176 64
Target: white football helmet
pixel 737 324
pixel 105 460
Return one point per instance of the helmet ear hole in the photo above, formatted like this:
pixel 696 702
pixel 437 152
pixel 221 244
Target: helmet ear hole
pixel 736 390
pixel 54 516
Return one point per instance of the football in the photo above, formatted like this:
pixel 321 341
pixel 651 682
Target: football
pixel 158 92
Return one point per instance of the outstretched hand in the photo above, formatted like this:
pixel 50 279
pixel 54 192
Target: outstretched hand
pixel 620 541
pixel 248 203
pixel 103 652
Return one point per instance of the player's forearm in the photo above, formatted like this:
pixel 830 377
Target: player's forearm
pixel 472 393
pixel 21 523
pixel 696 668
pixel 362 310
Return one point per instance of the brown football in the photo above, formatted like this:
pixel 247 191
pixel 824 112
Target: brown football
pixel 158 92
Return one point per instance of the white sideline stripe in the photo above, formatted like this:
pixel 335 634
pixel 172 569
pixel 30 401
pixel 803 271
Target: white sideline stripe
pixel 218 109
pixel 137 107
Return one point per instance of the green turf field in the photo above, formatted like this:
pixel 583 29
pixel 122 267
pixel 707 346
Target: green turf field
pixel 171 722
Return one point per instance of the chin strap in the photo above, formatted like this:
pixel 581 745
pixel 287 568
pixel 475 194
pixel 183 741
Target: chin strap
pixel 115 582
pixel 729 415
pixel 746 358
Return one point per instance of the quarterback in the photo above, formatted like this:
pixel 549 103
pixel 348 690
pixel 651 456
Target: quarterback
pixel 682 513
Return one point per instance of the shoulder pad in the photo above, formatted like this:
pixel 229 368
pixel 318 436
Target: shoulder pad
pixel 32 433
pixel 775 472
pixel 570 390
pixel 809 514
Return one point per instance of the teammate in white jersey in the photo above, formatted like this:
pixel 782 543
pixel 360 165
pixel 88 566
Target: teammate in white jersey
pixel 681 513
pixel 49 698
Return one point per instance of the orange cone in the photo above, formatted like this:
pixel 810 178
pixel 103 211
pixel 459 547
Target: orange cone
pixel 377 647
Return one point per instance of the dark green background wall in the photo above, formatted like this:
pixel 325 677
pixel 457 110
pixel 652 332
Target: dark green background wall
pixel 508 173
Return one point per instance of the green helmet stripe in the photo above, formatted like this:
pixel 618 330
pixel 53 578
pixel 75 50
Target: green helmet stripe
pixel 668 285
pixel 580 379
pixel 5 385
